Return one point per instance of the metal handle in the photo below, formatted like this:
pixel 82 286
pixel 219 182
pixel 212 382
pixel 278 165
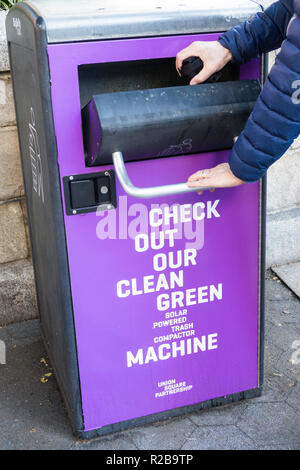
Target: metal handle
pixel 146 193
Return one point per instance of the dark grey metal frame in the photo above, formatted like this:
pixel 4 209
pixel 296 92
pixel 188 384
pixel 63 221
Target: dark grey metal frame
pixel 46 221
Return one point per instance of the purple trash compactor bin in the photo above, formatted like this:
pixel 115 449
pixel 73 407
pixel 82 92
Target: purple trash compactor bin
pixel 150 295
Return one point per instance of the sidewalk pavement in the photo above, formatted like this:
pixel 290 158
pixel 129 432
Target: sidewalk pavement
pixel 32 415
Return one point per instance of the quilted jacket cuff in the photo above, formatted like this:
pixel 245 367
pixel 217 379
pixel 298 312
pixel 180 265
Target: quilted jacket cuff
pixel 242 170
pixel 231 46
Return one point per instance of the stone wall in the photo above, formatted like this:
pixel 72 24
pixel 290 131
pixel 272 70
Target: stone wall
pixel 17 291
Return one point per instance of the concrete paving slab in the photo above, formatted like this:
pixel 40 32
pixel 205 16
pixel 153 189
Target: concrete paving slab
pixel 219 438
pixel 290 274
pixel 272 424
pixel 170 434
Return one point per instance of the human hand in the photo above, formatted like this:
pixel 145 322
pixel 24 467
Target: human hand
pixel 213 55
pixel 220 176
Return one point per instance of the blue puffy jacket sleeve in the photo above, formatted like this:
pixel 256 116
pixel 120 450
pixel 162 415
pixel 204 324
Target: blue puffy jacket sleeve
pixel 275 120
pixel 264 33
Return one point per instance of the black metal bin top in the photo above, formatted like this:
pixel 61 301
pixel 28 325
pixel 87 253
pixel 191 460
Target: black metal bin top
pixel 86 20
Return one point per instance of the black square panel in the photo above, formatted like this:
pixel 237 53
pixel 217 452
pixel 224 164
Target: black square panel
pixel 82 194
pixel 90 192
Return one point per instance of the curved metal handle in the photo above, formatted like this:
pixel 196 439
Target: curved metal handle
pixel 146 193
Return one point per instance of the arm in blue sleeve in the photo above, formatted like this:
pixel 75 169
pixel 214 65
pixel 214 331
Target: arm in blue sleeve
pixel 264 33
pixel 275 120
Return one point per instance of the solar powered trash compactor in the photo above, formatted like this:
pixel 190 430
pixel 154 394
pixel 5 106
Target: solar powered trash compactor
pixel 150 296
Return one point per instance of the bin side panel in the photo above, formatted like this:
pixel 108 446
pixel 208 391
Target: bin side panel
pixel 130 364
pixel 31 83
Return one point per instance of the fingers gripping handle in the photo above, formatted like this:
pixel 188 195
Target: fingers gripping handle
pixel 147 193
pixel 193 65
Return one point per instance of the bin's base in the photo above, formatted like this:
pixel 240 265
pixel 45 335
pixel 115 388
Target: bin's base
pixel 149 419
pixel 117 427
